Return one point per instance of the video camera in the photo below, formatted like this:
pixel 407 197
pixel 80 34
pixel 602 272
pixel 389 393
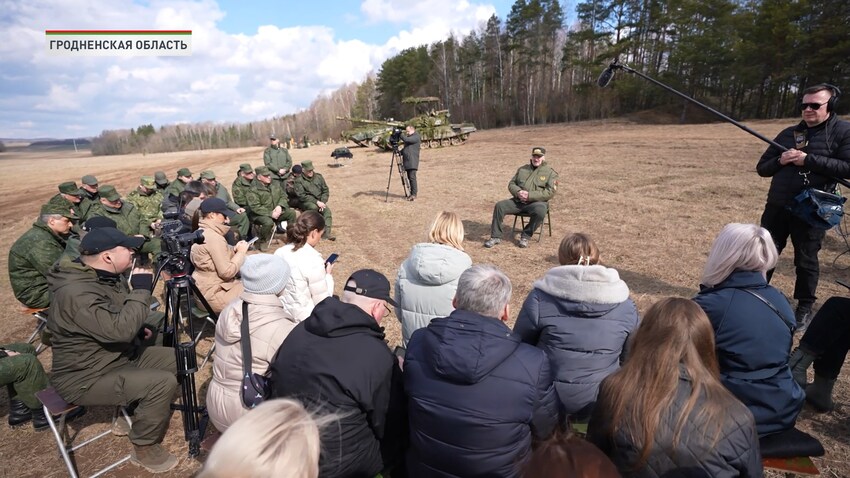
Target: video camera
pixel 395 137
pixel 176 246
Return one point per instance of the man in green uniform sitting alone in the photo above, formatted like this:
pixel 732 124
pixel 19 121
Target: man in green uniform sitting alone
pixel 532 187
pixel 239 221
pixel 313 193
pixel 278 160
pixel 268 207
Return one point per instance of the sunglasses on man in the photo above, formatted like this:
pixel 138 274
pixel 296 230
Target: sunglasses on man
pixel 813 106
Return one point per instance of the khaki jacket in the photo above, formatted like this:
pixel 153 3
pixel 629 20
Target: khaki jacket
pixel 216 265
pixel 541 182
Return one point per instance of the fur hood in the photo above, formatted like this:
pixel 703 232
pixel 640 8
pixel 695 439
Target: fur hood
pixel 587 284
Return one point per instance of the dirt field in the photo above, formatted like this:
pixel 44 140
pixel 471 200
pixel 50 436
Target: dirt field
pixel 653 197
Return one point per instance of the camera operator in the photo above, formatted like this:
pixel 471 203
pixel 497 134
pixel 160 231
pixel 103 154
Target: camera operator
pixel 410 158
pixel 216 263
pixel 100 334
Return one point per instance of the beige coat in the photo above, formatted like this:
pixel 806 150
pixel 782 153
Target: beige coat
pixel 268 327
pixel 216 266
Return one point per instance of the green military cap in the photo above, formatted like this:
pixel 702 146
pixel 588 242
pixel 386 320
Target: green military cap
pixel 307 165
pixel 184 172
pixel 70 187
pixel 246 168
pixel 538 151
pixel 161 178
pixel 207 174
pixel 109 193
pixel 55 208
pixel 148 182
pixel 89 180
pixel 263 171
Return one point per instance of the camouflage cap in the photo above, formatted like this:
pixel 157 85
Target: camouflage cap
pixel 55 208
pixel 184 172
pixel 307 165
pixel 70 187
pixel 538 151
pixel 207 174
pixel 89 180
pixel 246 168
pixel 147 182
pixel 109 193
pixel 161 178
pixel 263 171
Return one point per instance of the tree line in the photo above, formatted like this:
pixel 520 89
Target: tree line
pixel 747 58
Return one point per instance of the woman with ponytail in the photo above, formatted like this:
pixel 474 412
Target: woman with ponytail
pixel 581 315
pixel 311 280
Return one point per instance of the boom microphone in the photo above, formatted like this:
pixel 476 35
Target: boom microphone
pixel 606 76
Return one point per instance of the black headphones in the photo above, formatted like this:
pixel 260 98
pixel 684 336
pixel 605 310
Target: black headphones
pixel 833 100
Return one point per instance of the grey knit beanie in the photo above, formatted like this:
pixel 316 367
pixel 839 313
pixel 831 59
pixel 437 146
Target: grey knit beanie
pixel 264 274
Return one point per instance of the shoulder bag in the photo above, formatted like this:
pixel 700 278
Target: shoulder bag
pixel 255 387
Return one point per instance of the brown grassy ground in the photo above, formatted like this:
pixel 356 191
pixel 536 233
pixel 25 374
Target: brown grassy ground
pixel 653 197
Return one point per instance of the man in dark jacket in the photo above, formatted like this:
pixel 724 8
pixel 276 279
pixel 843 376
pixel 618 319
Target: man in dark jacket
pixel 410 158
pixel 820 151
pixel 336 361
pixel 473 386
pixel 100 328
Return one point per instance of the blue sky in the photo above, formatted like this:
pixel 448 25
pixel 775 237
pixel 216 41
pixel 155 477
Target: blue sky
pixel 250 60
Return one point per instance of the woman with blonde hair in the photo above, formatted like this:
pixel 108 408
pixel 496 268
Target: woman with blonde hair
pixel 427 279
pixel 665 412
pixel 581 315
pixel 311 281
pixel 278 439
pixel 753 326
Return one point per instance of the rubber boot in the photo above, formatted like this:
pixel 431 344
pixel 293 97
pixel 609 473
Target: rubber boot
pixel 18 413
pixel 153 458
pixel 800 361
pixel 819 394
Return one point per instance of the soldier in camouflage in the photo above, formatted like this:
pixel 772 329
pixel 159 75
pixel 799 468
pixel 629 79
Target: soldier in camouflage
pixel 242 184
pixel 126 216
pixel 147 199
pixel 69 196
pixel 162 181
pixel 313 193
pixel 278 160
pixel 268 207
pixel 289 186
pixel 184 176
pixel 239 222
pixel 32 255
pixel 91 195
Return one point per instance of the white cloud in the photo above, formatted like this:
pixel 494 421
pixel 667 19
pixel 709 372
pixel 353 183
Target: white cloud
pixel 26 124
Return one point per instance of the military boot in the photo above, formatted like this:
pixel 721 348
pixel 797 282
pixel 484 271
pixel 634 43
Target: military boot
pixel 800 361
pixel 19 413
pixel 153 458
pixel 819 394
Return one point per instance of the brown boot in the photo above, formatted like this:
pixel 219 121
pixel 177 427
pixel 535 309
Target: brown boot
pixel 153 458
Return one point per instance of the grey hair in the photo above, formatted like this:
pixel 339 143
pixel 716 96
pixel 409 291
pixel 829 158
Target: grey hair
pixel 745 247
pixel 47 217
pixel 483 289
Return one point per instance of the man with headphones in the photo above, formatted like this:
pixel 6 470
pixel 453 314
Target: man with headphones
pixel 819 150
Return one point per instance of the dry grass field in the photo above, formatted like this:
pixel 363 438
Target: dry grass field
pixel 653 197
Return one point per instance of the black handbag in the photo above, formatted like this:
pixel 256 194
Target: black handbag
pixel 255 387
pixel 819 209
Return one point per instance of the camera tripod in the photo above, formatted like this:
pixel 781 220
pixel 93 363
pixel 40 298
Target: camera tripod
pixel 179 290
pixel 396 162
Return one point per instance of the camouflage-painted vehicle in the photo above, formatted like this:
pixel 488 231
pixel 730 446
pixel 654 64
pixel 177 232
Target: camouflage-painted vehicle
pixel 365 135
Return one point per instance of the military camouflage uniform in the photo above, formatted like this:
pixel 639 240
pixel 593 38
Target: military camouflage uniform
pixel 59 201
pixel 262 200
pixel 239 222
pixel 541 184
pixel 23 374
pixel 174 189
pixel 89 201
pixel 276 159
pixel 30 257
pixel 129 221
pixel 149 207
pixel 240 189
pixel 310 190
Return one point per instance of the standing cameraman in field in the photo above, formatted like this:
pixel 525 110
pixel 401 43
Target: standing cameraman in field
pixel 410 158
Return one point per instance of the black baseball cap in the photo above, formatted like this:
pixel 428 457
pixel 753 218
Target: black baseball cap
pixel 209 205
pixel 370 283
pixel 106 238
pixel 98 222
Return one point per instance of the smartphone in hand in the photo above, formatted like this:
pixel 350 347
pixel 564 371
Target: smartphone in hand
pixel 253 241
pixel 331 258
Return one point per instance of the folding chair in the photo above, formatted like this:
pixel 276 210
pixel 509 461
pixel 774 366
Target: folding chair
pixel 790 452
pixel 523 217
pixel 55 405
pixel 40 324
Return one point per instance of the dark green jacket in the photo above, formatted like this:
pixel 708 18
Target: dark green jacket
pixel 221 193
pixel 174 189
pixel 94 321
pixel 89 200
pixel 60 201
pixel 311 190
pixel 127 219
pixel 277 158
pixel 263 199
pixel 240 189
pixel 149 209
pixel 30 258
pixel 541 182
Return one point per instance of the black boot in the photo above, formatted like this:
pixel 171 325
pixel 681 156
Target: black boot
pixel 18 413
pixel 39 420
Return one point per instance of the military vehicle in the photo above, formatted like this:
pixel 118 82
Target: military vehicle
pixel 365 135
pixel 433 126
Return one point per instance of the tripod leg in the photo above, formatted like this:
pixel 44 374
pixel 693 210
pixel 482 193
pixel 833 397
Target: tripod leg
pixel 405 184
pixel 389 179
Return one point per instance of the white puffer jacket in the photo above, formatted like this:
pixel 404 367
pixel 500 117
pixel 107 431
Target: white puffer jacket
pixel 308 283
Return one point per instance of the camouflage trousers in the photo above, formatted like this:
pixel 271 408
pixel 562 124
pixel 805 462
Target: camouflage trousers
pixel 241 224
pixel 267 224
pixel 23 374
pixel 326 213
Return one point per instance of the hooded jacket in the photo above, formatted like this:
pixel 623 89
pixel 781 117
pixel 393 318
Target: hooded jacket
pixel 337 361
pixel 268 326
pixel 426 285
pixel 476 398
pixel 581 316
pixel 94 319
pixel 309 283
pixel 753 346
pixel 216 266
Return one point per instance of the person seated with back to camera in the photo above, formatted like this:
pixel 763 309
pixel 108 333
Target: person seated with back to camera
pixel 311 280
pixel 753 326
pixel 264 277
pixel 427 279
pixel 216 263
pixel 568 456
pixel 581 315
pixel 665 412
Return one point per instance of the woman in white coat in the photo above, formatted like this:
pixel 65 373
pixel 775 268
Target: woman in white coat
pixel 427 279
pixel 310 281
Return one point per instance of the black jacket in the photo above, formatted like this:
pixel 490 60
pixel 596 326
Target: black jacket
pixel 477 397
pixel 828 154
pixel 410 153
pixel 336 360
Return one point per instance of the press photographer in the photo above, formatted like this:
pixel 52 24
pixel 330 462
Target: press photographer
pixel 410 157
